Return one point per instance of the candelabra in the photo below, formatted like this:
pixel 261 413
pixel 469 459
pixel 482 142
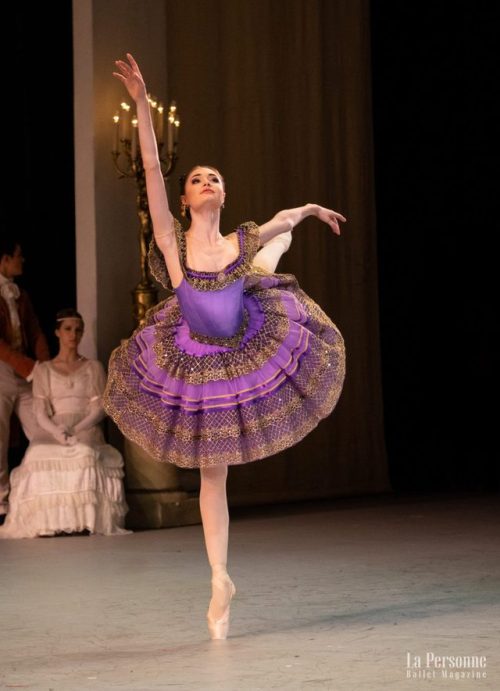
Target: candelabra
pixel 126 155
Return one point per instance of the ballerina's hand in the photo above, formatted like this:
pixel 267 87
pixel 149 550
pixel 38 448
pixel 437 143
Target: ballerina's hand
pixel 332 218
pixel 131 76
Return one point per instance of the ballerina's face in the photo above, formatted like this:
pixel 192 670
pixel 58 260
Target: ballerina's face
pixel 204 188
pixel 70 332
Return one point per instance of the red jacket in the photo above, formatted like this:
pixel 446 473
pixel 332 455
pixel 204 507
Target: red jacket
pixel 34 343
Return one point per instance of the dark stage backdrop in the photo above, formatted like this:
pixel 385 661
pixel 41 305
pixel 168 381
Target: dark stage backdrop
pixel 435 86
pixel 37 191
pixel 38 181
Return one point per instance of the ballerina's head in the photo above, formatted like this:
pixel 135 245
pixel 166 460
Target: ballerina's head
pixel 202 187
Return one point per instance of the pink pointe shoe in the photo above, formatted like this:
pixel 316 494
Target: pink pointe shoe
pixel 218 628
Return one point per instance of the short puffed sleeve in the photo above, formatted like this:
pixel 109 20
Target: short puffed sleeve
pixel 251 240
pixel 156 259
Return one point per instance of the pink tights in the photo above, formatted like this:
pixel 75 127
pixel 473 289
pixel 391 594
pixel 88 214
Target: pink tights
pixel 215 518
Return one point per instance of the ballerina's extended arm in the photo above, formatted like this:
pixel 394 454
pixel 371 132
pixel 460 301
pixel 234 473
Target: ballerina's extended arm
pixel 163 222
pixel 287 219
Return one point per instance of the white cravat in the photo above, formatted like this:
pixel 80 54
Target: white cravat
pixel 10 293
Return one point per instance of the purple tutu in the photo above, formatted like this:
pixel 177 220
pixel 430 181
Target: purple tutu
pixel 235 367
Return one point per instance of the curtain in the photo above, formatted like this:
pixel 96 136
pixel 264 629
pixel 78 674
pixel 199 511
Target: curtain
pixel 276 94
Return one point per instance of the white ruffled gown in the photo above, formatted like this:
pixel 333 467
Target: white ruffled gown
pixel 67 489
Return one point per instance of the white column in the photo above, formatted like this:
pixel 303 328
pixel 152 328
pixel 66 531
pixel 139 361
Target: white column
pixel 86 260
pixel 107 225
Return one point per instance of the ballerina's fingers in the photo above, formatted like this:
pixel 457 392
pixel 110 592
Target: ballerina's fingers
pixel 339 216
pixel 133 67
pixel 335 217
pixel 125 69
pixel 133 63
pixel 334 225
pixel 129 73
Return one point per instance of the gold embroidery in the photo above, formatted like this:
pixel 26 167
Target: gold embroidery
pixel 272 424
pixel 223 365
pixel 249 246
pixel 187 403
pixel 216 280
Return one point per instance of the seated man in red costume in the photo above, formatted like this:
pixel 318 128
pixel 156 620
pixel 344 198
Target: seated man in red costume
pixel 22 343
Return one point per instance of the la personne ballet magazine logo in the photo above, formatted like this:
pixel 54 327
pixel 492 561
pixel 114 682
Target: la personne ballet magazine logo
pixel 453 667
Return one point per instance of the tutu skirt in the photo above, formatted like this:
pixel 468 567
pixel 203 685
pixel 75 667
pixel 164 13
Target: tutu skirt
pixel 228 401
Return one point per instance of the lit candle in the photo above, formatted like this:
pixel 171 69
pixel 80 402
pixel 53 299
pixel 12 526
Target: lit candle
pixel 125 121
pixel 177 124
pixel 160 123
pixel 170 134
pixel 116 134
pixel 133 146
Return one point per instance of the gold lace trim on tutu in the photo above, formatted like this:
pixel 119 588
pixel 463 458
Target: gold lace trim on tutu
pixel 223 426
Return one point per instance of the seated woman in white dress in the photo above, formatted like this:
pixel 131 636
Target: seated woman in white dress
pixel 70 480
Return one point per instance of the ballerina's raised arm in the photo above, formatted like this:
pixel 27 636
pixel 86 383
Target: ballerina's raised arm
pixel 163 222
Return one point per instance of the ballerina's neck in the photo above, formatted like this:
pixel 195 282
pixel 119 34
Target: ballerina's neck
pixel 205 228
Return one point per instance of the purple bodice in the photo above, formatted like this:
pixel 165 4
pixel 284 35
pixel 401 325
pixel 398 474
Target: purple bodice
pixel 215 313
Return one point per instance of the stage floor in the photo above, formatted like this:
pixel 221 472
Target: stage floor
pixel 362 594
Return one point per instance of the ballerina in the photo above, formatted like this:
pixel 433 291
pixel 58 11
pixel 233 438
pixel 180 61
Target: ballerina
pixel 238 364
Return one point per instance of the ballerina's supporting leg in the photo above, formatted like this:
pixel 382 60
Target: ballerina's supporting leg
pixel 215 519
